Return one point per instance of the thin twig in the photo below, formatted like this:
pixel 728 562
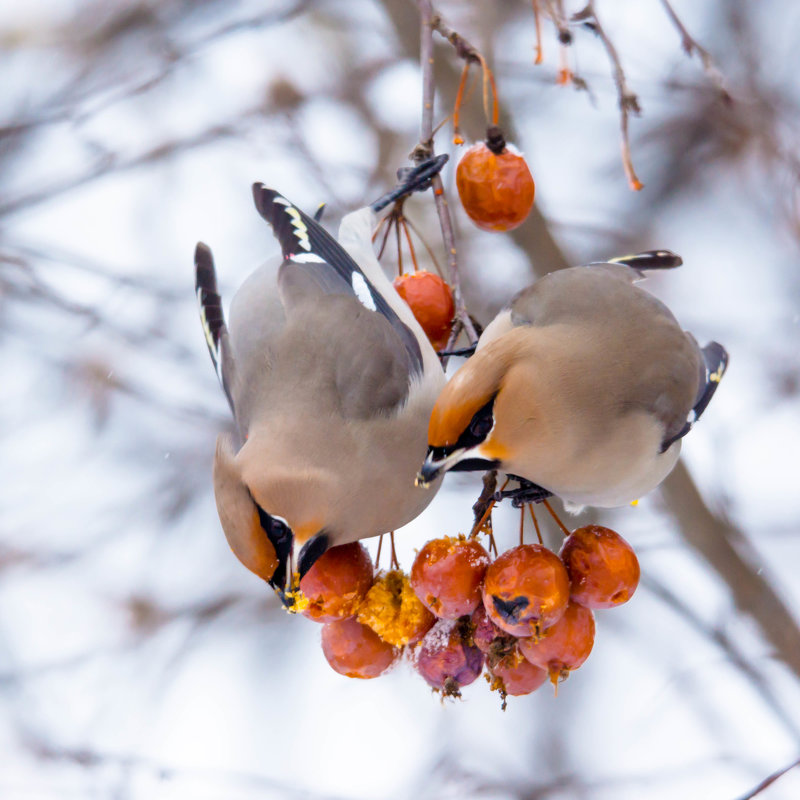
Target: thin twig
pixel 628 101
pixel 692 47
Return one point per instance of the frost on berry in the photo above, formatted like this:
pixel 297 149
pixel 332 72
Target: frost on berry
pixel 446 659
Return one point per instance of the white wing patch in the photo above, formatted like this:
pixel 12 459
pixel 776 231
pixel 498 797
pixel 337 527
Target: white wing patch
pixel 363 293
pixel 308 258
pixel 300 230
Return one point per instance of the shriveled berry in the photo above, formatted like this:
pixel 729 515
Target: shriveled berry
pixel 431 302
pixel 447 574
pixel 446 659
pixel 394 612
pixel 337 582
pixel 495 185
pixel 565 645
pixel 603 569
pixel 355 650
pixel 485 633
pixel 525 590
pixel 515 675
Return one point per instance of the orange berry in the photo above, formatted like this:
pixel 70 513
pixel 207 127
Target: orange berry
pixel 515 675
pixel 525 590
pixel 603 569
pixel 495 185
pixel 355 650
pixel 337 582
pixel 565 645
pixel 447 574
pixel 431 301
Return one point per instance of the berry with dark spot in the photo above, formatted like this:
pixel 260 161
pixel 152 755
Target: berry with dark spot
pixel 526 589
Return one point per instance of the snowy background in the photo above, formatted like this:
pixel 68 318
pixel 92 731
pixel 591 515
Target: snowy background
pixel 138 658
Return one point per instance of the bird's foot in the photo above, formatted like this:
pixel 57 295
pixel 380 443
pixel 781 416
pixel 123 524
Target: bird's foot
pixel 412 179
pixel 527 492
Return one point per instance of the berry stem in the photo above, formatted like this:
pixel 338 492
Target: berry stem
pixel 457 137
pixel 397 218
pixel 430 252
pixel 538 23
pixel 393 563
pixel 385 235
pixel 378 555
pixel 535 523
pixel 555 517
pixel 411 250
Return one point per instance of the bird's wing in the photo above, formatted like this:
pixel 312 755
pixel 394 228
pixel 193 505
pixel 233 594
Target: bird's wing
pixel 586 293
pixel 713 366
pixel 337 322
pixel 312 255
pixel 657 367
pixel 213 320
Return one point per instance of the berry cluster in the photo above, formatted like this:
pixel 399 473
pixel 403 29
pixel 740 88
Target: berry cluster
pixel 523 617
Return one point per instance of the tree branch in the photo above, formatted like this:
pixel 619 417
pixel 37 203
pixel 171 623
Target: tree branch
pixel 428 20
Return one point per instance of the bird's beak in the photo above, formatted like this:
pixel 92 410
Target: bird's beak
pixel 433 467
pixel 300 559
pixel 462 459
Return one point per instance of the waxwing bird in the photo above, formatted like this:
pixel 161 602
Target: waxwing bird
pixel 583 387
pixel 331 382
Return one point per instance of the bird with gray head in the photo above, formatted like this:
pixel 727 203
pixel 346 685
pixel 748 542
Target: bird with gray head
pixel 331 381
pixel 583 387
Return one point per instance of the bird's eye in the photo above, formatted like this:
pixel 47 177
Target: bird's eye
pixel 481 424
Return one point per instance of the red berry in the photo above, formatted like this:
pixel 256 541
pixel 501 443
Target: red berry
pixel 565 645
pixel 431 302
pixel 446 659
pixel 515 675
pixel 526 589
pixel 337 582
pixel 355 650
pixel 603 569
pixel 486 635
pixel 495 185
pixel 447 575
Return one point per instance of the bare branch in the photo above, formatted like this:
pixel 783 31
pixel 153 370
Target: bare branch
pixel 769 781
pixel 628 101
pixel 692 47
pixel 732 556
pixel 429 21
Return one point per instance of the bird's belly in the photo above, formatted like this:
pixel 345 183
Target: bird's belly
pixel 604 471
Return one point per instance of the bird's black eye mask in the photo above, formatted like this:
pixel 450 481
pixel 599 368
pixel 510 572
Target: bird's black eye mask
pixel 280 534
pixel 479 428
